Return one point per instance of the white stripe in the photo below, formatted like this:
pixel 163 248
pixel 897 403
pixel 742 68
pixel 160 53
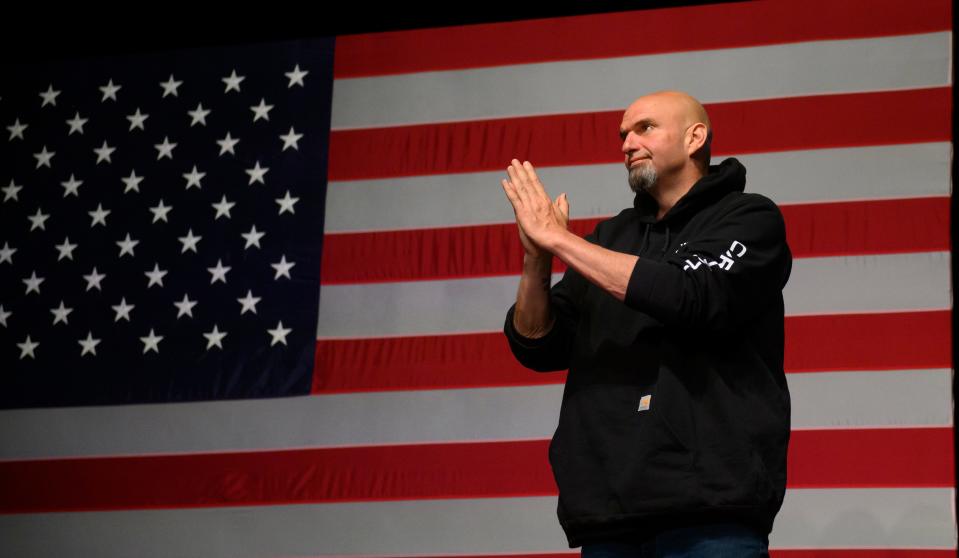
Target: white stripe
pixel 918 518
pixel 835 285
pixel 822 175
pixel 762 72
pixel 898 398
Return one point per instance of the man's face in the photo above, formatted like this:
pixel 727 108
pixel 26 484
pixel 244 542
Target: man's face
pixel 652 135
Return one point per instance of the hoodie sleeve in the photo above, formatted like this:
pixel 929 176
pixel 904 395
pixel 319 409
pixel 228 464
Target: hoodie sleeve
pixel 722 277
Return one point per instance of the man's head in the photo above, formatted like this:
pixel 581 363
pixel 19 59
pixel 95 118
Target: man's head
pixel 666 139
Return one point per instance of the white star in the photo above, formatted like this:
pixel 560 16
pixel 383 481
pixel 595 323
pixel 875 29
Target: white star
pixel 94 278
pixel 38 220
pixel 132 182
pixel 66 249
pixel 189 242
pixel 214 338
pixel 227 143
pixel 252 238
pixel 98 216
pixel 27 347
pixel 122 310
pixel 282 268
pixel 290 139
pixel 151 342
pixel 233 82
pixel 257 173
pixel 185 307
pixel 170 86
pixel 11 191
pixel 198 114
pixel 261 111
pixel 279 334
pixel 60 314
pixel 89 344
pixel 218 272
pixel 160 211
pixel 126 246
pixel 249 302
pixel 70 187
pixel 165 149
pixel 109 91
pixel 103 153
pixel 156 276
pixel 286 203
pixel 136 120
pixel 33 283
pixel 193 178
pixel 43 158
pixel 4 314
pixel 49 96
pixel 223 208
pixel 296 77
pixel 76 124
pixel 16 130
pixel 6 253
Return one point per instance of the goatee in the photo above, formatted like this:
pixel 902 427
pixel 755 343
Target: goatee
pixel 642 177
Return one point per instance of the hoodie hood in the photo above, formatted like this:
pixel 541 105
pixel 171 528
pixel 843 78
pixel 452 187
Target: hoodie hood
pixel 728 176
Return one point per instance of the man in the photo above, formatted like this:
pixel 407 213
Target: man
pixel 674 424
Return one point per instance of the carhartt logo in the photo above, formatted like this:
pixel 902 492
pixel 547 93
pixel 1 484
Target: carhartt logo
pixel 644 403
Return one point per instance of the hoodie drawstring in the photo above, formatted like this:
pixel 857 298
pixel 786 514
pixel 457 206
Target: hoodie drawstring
pixel 645 236
pixel 666 245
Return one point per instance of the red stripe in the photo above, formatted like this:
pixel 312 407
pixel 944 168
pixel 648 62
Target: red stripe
pixel 612 35
pixel 814 230
pixel 812 122
pixel 881 341
pixel 845 458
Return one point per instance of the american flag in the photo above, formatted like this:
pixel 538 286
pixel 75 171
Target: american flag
pixel 419 434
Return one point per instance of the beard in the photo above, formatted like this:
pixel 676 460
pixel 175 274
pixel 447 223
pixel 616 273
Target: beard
pixel 643 177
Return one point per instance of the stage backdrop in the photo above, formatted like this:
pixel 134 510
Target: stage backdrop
pixel 252 298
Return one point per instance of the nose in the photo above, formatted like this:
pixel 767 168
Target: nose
pixel 629 143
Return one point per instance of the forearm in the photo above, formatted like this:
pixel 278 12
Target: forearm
pixel 531 317
pixel 607 269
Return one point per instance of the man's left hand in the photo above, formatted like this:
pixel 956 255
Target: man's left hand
pixel 542 219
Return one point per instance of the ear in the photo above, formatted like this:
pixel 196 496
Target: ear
pixel 695 138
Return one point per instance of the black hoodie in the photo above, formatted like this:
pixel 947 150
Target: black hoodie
pixel 676 409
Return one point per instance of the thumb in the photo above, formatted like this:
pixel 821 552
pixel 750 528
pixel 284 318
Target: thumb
pixel 562 202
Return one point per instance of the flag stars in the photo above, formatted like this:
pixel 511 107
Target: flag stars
pixel 76 124
pixel 16 130
pixel 11 191
pixel 132 182
pixel 248 302
pixel 27 348
pixel 6 253
pixel 49 96
pixel 214 338
pixel 38 219
pixel 160 211
pixel 122 310
pixel 155 276
pixel 198 115
pixel 227 144
pixel 33 283
pixel 218 273
pixel 252 238
pixel 4 314
pixel 126 246
pixel 261 110
pixel 296 77
pixel 104 152
pixel 185 307
pixel 282 268
pixel 89 345
pixel 291 139
pixel 109 91
pixel 66 249
pixel 257 173
pixel 278 334
pixel 43 158
pixel 286 203
pixel 71 187
pixel 60 314
pixel 98 216
pixel 165 149
pixel 189 242
pixel 223 208
pixel 193 178
pixel 94 278
pixel 170 87
pixel 232 82
pixel 137 119
pixel 151 342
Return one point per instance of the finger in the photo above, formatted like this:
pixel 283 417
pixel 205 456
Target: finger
pixel 510 193
pixel 519 185
pixel 534 183
pixel 563 203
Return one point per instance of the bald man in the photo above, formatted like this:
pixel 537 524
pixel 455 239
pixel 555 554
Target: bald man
pixel 674 423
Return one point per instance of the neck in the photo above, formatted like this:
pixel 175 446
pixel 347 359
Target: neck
pixel 669 191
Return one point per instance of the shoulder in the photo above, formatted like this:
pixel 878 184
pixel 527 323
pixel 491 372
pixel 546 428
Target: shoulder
pixel 613 227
